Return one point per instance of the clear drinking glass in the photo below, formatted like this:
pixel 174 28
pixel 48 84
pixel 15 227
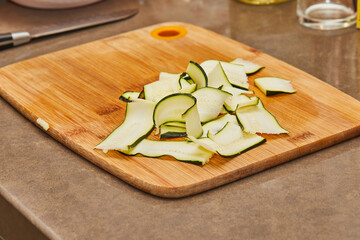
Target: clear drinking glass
pixel 326 14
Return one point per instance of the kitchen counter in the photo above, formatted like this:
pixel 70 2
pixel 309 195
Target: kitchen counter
pixel 48 191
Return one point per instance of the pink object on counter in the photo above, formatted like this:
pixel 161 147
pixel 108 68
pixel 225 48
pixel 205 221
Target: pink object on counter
pixel 54 4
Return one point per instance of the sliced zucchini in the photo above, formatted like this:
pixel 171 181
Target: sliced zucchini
pixel 256 119
pixel 235 91
pixel 165 76
pixel 197 74
pixel 230 133
pixel 233 102
pixel 192 122
pixel 216 125
pixel 273 85
pixel 250 67
pixel 178 104
pixel 236 75
pixel 230 141
pixel 247 101
pixel 180 150
pixel 157 90
pixel 242 144
pixel 171 108
pixel 186 86
pixel 175 124
pixel 167 131
pixel 128 96
pixel 209 65
pixel 205 142
pixel 210 102
pixel 138 123
pixel 217 77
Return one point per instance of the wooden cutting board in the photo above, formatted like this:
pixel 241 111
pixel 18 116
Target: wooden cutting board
pixel 76 92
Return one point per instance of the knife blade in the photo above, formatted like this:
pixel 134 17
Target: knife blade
pixel 18 38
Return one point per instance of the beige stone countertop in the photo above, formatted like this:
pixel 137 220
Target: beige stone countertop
pixel 48 191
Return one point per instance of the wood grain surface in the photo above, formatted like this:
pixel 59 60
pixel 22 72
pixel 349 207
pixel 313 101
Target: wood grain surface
pixel 76 92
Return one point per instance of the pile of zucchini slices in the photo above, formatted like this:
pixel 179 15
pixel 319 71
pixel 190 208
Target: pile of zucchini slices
pixel 206 107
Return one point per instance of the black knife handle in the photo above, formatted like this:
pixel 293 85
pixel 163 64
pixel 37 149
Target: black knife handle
pixel 13 39
pixel 6 40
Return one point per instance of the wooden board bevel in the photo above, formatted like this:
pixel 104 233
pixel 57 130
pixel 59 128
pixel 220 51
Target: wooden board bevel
pixel 76 92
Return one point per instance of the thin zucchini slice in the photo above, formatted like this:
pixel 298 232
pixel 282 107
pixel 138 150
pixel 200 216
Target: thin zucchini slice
pixel 273 85
pixel 128 96
pixel 205 142
pixel 157 90
pixel 172 107
pixel 235 91
pixel 247 101
pixel 210 102
pixel 197 74
pixel 209 65
pixel 138 123
pixel 192 122
pixel 216 125
pixel 234 102
pixel 236 75
pixel 165 76
pixel 175 124
pixel 181 150
pixel 256 119
pixel 240 144
pixel 217 77
pixel 230 141
pixel 167 131
pixel 186 86
pixel 250 67
pixel 230 133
